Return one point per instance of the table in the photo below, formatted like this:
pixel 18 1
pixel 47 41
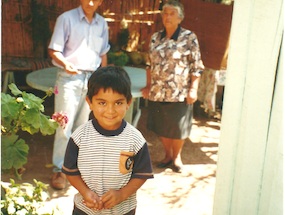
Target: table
pixel 15 65
pixel 8 70
pixel 44 79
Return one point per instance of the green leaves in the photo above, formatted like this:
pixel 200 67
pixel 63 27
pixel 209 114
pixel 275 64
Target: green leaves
pixel 119 58
pixel 48 126
pixel 14 152
pixel 26 198
pixel 23 111
pixel 9 106
pixel 14 89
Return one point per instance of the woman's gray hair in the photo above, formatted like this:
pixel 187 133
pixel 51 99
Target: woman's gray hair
pixel 177 5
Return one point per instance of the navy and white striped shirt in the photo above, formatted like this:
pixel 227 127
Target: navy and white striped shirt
pixel 94 153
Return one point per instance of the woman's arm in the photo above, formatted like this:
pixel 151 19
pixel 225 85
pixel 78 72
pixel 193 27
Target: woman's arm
pixel 145 90
pixel 192 94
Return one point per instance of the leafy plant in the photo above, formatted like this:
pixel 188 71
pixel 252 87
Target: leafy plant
pixel 25 199
pixel 23 112
pixel 118 58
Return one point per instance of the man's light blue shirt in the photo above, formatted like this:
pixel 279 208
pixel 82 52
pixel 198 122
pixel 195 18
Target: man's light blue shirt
pixel 81 43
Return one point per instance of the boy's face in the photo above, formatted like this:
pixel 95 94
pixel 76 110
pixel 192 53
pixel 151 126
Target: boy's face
pixel 109 108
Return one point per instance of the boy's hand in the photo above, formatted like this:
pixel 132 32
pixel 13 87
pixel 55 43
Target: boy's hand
pixel 91 200
pixel 111 198
pixel 114 197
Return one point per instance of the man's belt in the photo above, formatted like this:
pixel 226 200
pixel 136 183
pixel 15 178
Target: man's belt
pixel 86 71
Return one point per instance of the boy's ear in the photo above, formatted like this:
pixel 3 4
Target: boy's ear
pixel 88 100
pixel 130 102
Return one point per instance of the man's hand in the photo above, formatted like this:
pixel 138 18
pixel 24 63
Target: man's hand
pixel 71 69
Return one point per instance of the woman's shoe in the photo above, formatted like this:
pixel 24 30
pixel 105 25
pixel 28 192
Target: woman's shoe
pixel 164 165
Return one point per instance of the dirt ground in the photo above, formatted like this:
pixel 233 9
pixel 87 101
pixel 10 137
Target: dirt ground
pixel 190 192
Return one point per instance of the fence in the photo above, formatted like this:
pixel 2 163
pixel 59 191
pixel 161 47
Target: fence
pixel 24 20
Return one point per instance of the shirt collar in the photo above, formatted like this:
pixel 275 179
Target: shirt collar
pixel 109 132
pixel 174 36
pixel 82 15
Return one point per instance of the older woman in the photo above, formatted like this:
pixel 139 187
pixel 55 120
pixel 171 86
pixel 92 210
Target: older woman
pixel 172 82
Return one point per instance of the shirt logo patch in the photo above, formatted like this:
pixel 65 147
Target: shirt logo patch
pixel 126 162
pixel 129 163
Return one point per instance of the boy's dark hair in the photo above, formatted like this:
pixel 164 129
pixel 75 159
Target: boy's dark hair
pixel 113 77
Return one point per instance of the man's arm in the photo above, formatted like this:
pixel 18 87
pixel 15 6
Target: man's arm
pixel 142 171
pixel 60 59
pixel 104 61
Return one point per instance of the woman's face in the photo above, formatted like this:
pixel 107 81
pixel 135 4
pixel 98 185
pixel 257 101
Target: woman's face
pixel 170 18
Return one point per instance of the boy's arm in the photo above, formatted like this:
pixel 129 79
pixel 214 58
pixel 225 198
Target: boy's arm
pixel 142 171
pixel 90 198
pixel 114 197
pixel 70 169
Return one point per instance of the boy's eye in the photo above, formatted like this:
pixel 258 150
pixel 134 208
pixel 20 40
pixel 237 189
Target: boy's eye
pixel 119 103
pixel 102 103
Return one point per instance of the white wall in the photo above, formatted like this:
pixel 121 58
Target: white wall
pixel 250 164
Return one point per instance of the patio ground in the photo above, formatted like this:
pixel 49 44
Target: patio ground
pixel 190 192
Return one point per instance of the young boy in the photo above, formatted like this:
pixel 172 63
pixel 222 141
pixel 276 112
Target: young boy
pixel 107 159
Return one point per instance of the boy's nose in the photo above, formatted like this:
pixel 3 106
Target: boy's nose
pixel 110 109
pixel 91 3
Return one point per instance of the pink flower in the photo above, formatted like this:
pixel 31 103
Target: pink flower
pixel 60 118
pixel 55 90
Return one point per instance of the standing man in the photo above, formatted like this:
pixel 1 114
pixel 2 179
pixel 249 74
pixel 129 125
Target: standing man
pixel 78 46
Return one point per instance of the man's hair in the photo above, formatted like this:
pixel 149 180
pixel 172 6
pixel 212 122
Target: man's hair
pixel 110 77
pixel 177 5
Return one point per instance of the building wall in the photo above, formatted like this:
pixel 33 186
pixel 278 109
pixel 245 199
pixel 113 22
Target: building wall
pixel 17 25
pixel 212 24
pixel 17 40
pixel 250 164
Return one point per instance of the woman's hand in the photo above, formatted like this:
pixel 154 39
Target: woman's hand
pixel 192 96
pixel 146 89
pixel 145 92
